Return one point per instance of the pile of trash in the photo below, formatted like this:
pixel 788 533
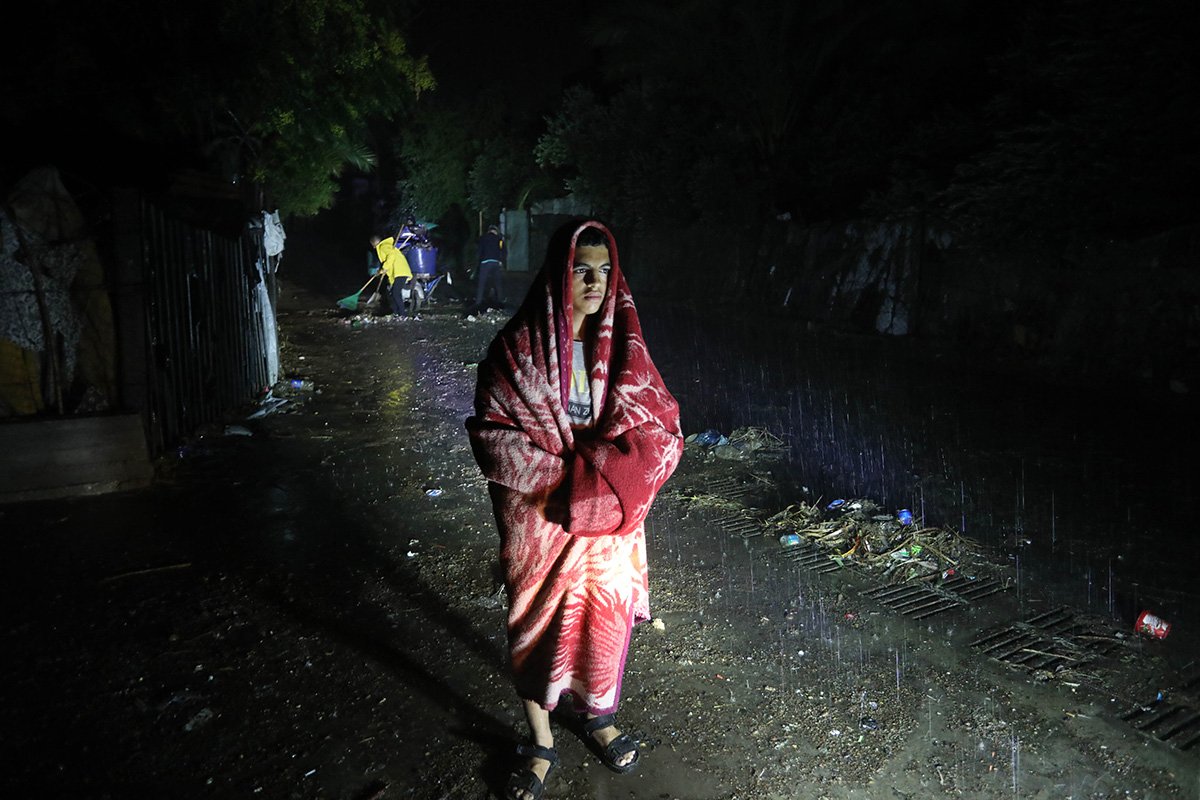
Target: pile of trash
pixel 364 320
pixel 285 397
pixel 896 546
pixel 738 445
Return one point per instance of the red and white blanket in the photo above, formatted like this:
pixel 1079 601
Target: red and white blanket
pixel 571 504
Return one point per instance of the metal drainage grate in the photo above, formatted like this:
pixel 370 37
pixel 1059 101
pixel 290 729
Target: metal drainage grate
pixel 730 488
pixel 1173 723
pixel 740 525
pixel 922 600
pixel 918 601
pixel 1054 640
pixel 811 557
pixel 970 589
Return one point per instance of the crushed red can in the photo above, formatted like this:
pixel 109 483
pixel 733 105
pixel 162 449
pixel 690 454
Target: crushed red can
pixel 1151 625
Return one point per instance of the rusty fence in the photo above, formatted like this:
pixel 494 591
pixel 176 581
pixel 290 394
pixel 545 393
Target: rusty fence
pixel 197 328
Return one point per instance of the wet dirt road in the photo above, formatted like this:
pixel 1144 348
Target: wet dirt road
pixel 312 610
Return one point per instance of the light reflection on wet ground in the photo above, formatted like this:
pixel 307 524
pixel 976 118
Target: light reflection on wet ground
pixel 314 611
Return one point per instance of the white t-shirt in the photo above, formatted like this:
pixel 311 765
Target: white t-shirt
pixel 579 398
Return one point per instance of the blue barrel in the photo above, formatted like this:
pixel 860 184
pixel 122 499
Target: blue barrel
pixel 421 260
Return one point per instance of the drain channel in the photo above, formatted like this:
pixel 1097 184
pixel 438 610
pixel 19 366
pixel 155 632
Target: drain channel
pixel 917 601
pixel 972 588
pixel 1053 641
pixel 921 600
pixel 728 487
pixel 810 557
pixel 1172 723
pixel 740 525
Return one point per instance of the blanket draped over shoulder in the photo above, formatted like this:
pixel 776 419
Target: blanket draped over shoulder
pixel 571 505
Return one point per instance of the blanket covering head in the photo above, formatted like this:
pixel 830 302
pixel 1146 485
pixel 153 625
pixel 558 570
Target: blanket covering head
pixel 571 504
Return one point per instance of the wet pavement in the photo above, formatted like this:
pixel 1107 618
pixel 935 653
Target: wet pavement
pixel 313 610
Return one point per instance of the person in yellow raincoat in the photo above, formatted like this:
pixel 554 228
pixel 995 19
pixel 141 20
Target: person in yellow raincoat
pixel 395 266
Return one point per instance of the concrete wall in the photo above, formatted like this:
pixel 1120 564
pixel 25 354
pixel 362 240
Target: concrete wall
pixel 44 458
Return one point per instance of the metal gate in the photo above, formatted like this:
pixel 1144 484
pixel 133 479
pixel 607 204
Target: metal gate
pixel 196 319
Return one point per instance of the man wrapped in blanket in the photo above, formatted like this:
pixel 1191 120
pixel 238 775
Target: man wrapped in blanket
pixel 576 433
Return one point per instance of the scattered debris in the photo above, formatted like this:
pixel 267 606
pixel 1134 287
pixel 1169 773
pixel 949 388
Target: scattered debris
pixel 738 445
pixel 269 405
pixel 855 534
pixel 496 600
pixel 203 717
pixel 148 571
pixel 751 440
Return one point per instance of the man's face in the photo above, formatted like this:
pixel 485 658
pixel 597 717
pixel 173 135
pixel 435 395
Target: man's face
pixel 589 279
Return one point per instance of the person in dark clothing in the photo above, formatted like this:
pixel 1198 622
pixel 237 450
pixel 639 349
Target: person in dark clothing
pixel 491 262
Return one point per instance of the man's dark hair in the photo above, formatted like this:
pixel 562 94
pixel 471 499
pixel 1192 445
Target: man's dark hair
pixel 591 237
pixel 560 243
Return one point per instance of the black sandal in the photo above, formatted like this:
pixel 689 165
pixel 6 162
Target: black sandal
pixel 610 753
pixel 525 779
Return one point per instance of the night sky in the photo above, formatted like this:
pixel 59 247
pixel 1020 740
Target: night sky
pixel 529 50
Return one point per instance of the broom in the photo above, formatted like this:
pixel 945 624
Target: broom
pixel 350 302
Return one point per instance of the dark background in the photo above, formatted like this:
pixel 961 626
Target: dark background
pixel 1021 177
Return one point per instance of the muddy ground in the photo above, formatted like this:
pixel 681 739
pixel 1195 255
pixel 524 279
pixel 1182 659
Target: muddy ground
pixel 306 605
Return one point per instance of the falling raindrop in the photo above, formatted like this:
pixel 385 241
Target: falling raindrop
pixel 962 504
pixel 1016 764
pixel 1020 597
pixel 1053 519
pixel 1110 587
